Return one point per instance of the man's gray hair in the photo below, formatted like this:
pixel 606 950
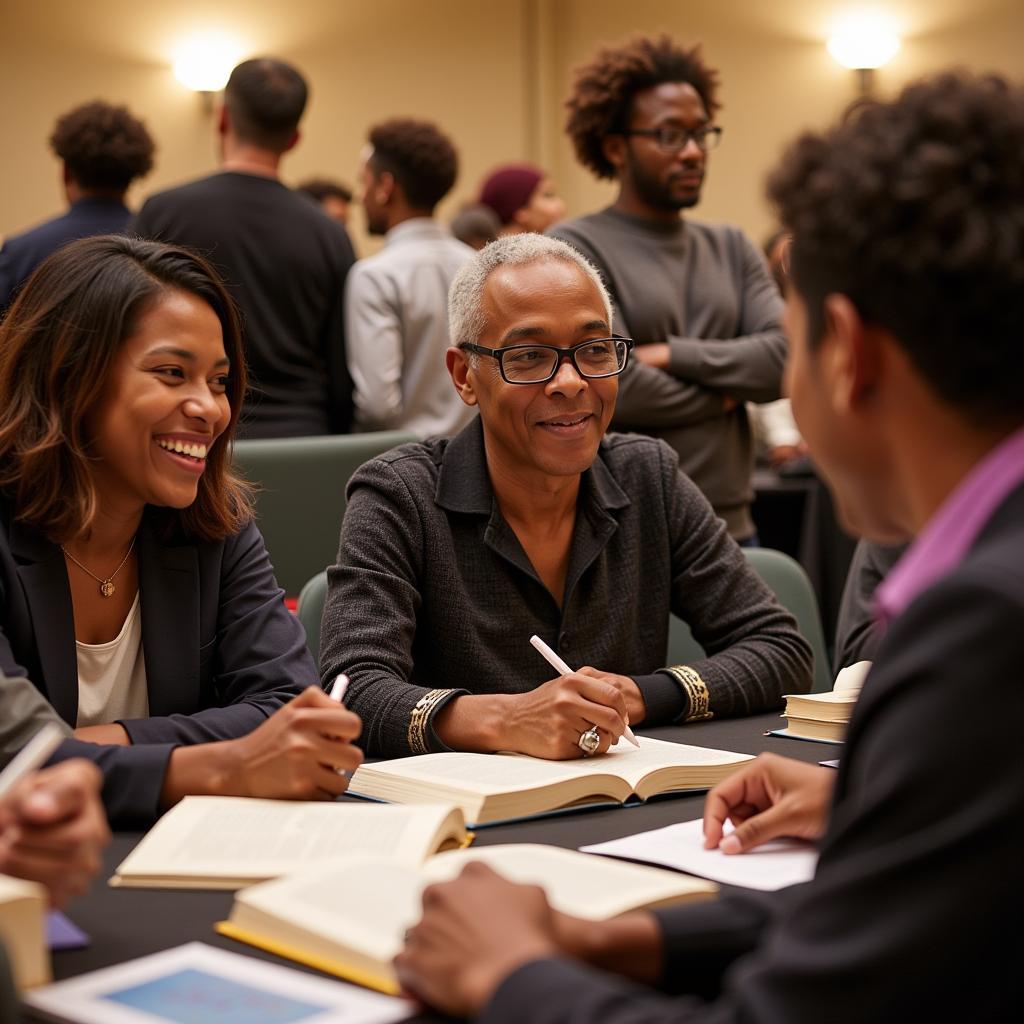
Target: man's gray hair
pixel 466 321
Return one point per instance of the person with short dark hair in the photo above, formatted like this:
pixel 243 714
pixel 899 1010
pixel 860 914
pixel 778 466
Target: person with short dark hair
pixel 334 197
pixel 285 264
pixel 476 225
pixel 906 371
pixel 102 149
pixel 695 297
pixel 396 301
pixel 135 589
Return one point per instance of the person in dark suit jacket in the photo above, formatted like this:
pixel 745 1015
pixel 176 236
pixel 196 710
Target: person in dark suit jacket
pixel 135 590
pixel 103 149
pixel 905 318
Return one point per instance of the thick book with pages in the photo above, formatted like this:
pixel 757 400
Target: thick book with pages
pixel 225 842
pixel 824 716
pixel 350 919
pixel 502 787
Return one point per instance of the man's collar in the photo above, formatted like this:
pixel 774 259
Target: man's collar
pixel 415 227
pixel 464 485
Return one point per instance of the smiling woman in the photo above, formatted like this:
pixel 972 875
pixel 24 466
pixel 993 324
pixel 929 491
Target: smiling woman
pixel 128 544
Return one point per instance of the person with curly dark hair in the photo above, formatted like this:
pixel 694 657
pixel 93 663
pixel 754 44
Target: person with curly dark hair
pixel 102 149
pixel 396 302
pixel 906 369
pixel 695 297
pixel 284 262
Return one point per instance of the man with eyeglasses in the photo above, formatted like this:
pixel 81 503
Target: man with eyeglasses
pixel 697 299
pixel 532 521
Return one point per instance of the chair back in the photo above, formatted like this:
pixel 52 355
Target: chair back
pixel 312 598
pixel 300 496
pixel 790 584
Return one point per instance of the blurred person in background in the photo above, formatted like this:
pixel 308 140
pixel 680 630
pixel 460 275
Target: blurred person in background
pixel 334 198
pixel 396 301
pixel 102 149
pixel 284 263
pixel 523 198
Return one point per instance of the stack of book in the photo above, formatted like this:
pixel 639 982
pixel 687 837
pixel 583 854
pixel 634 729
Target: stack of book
pixel 824 716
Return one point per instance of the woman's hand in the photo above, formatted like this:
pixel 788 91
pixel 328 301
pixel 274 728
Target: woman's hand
pixel 298 753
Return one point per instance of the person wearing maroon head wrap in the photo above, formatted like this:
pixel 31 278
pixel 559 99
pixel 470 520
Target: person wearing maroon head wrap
pixel 523 197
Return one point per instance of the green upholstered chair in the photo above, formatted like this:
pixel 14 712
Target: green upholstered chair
pixel 301 494
pixel 782 574
pixel 787 579
pixel 311 611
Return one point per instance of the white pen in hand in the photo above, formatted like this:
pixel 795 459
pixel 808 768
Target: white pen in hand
pixel 338 687
pixel 562 669
pixel 33 755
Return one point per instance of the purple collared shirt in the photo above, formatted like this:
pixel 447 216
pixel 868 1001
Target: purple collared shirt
pixel 944 542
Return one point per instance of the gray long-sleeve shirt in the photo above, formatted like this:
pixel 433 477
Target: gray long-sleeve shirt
pixel 433 591
pixel 396 332
pixel 703 289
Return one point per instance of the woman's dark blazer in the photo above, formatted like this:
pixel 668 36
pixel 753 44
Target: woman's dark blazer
pixel 222 652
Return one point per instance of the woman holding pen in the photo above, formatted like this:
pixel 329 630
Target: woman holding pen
pixel 135 589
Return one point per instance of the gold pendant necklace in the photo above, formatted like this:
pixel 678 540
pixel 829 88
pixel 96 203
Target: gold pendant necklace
pixel 107 588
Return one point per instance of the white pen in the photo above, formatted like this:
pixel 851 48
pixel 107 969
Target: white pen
pixel 562 669
pixel 338 687
pixel 32 756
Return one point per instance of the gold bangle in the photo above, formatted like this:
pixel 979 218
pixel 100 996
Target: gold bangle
pixel 696 689
pixel 419 718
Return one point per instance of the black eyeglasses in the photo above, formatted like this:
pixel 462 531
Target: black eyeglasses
pixel 671 140
pixel 537 364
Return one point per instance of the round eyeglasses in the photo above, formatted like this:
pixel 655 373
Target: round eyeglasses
pixel 537 364
pixel 672 139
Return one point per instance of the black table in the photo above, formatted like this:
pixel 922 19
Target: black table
pixel 129 923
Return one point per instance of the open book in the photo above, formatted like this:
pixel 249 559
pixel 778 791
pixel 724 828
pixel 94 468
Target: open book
pixel 499 787
pixel 23 930
pixel 824 716
pixel 350 919
pixel 225 842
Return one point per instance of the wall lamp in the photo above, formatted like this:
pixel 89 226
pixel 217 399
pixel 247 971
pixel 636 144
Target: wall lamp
pixel 864 41
pixel 204 63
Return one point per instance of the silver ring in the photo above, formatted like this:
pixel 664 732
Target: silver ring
pixel 589 741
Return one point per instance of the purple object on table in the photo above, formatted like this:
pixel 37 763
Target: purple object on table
pixel 64 934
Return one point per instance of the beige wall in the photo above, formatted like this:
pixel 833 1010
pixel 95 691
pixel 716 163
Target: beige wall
pixel 493 74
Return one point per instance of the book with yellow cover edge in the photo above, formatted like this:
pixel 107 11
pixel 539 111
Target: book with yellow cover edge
pixel 209 842
pixel 491 788
pixel 349 919
pixel 823 717
pixel 23 907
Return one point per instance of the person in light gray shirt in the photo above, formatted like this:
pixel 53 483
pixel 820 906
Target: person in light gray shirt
pixel 696 298
pixel 396 302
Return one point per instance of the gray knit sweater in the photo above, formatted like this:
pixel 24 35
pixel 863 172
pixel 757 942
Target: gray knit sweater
pixel 703 289
pixel 433 590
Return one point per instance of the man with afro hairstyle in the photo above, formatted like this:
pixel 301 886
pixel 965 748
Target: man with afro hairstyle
pixel 696 298
pixel 396 302
pixel 102 149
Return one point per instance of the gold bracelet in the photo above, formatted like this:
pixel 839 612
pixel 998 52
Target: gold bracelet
pixel 696 689
pixel 419 718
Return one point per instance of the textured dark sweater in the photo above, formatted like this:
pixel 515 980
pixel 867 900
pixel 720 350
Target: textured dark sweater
pixel 285 264
pixel 703 289
pixel 434 591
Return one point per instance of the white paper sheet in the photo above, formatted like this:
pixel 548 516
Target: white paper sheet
pixel 772 866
